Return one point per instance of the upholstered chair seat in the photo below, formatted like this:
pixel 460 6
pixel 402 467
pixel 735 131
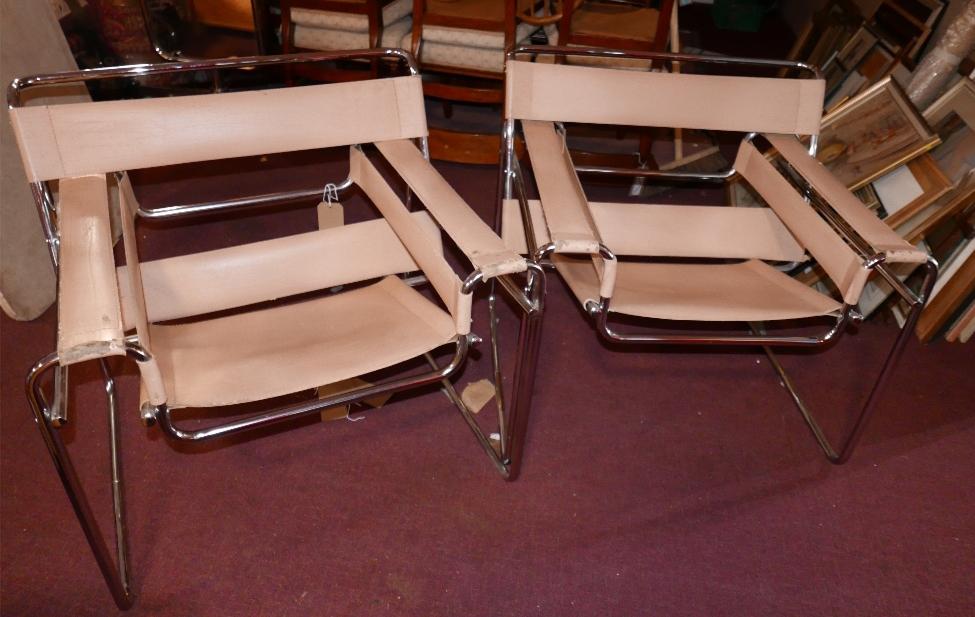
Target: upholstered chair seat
pixel 333 30
pixel 620 25
pixel 467 48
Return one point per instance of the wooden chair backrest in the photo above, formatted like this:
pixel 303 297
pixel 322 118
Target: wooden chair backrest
pixel 656 42
pixel 232 14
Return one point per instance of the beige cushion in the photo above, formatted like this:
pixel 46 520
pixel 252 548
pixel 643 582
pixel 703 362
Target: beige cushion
pixel 470 49
pixel 486 39
pixel 294 347
pixel 841 263
pixel 315 37
pixel 33 42
pixel 567 215
pixel 876 232
pixel 462 57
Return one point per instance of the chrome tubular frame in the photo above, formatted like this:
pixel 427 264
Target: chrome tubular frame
pixel 600 313
pixel 513 427
pixel 209 207
pixel 144 70
pixel 842 454
pixel 48 216
pixel 115 572
pixel 50 417
pixel 512 419
pixel 531 300
pixel 511 179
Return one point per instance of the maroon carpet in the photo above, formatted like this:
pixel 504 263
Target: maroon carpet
pixel 667 483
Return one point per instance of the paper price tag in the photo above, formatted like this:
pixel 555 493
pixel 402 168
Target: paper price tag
pixel 330 211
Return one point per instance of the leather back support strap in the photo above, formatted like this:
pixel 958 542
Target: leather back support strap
pixel 237 276
pixel 478 241
pixel 651 230
pixel 416 241
pixel 89 138
pixel 839 261
pixel 134 306
pixel 566 93
pixel 132 292
pixel 89 313
pixel 881 237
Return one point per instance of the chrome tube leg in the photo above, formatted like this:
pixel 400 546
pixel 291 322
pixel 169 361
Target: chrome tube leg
pixel 842 455
pixel 45 207
pixel 57 412
pixel 482 439
pixel 512 417
pixel 496 365
pixel 116 582
pixel 529 340
pixel 513 424
pixel 118 495
pixel 817 431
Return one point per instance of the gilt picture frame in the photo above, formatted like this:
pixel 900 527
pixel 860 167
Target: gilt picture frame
pixel 873 133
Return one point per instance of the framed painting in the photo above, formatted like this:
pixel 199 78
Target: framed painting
pixel 873 133
pixel 953 118
pixel 924 182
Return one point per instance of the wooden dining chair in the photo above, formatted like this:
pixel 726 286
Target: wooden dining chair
pixel 640 25
pixel 616 24
pixel 461 46
pixel 292 328
pixel 330 25
pixel 343 24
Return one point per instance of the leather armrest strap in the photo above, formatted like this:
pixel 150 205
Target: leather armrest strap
pixel 843 266
pixel 567 215
pixel 413 237
pixel 89 313
pixel 481 245
pixel 881 237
